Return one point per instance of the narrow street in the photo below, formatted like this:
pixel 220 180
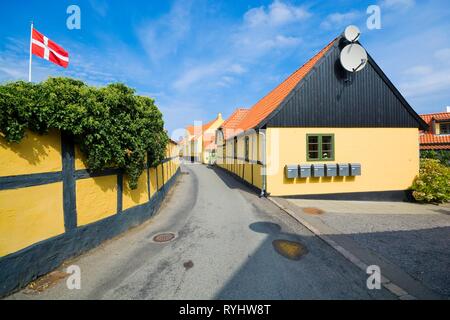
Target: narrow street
pixel 223 250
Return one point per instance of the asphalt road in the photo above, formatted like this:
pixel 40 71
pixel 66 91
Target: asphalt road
pixel 223 250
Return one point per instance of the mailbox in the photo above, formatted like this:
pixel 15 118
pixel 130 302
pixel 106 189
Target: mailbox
pixel 318 170
pixel 344 169
pixel 292 172
pixel 355 169
pixel 305 171
pixel 331 170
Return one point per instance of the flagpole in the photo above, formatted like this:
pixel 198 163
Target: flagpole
pixel 31 53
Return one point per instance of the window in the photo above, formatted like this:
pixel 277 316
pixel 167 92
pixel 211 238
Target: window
pixel 445 128
pixel 247 149
pixel 235 146
pixel 320 147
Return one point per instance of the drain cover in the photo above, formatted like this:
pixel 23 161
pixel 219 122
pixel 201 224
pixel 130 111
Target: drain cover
pixel 164 237
pixel 314 211
pixel 289 249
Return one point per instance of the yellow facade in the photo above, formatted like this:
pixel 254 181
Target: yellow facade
pixel 34 154
pixel 30 215
pixel 33 214
pixel 132 198
pixel 389 158
pixel 96 199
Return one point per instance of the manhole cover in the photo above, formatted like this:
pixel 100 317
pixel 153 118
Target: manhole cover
pixel 314 211
pixel 188 265
pixel 289 249
pixel 164 237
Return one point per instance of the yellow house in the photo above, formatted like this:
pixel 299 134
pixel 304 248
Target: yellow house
pixel 324 133
pixel 198 145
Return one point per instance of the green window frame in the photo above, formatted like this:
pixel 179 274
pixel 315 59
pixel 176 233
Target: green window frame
pixel 320 147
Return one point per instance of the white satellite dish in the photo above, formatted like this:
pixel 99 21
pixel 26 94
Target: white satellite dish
pixel 352 33
pixel 354 57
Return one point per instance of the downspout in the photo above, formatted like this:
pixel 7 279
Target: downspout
pixel 262 133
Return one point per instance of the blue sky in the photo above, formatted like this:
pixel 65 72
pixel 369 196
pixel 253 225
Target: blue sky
pixel 197 58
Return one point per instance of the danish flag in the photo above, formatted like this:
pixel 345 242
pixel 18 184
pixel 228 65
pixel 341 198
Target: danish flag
pixel 45 48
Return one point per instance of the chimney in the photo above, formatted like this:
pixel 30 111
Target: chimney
pixel 219 116
pixel 448 108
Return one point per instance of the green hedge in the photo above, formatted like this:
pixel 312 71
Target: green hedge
pixel 112 125
pixel 441 155
pixel 433 183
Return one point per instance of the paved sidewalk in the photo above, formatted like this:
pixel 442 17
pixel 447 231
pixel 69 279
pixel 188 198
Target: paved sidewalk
pixel 410 242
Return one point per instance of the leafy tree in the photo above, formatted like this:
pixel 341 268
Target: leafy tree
pixel 112 125
pixel 433 183
pixel 442 155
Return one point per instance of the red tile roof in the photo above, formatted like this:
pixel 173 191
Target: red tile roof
pixel 263 108
pixel 230 125
pixel 431 141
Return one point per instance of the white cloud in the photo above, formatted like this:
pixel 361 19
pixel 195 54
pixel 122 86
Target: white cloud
pixel 398 4
pixel 419 71
pixel 277 14
pixel 100 7
pixel 337 20
pixel 280 41
pixel 162 37
pixel 443 55
pixel 429 84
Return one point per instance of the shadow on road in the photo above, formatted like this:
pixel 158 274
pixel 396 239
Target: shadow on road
pixel 232 181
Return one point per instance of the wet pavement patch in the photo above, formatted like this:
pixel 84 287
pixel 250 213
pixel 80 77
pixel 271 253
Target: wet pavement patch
pixel 46 282
pixel 313 211
pixel 188 265
pixel 164 237
pixel 289 249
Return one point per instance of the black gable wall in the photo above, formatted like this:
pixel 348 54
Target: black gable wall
pixel 324 99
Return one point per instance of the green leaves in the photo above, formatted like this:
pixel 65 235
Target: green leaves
pixel 433 183
pixel 113 126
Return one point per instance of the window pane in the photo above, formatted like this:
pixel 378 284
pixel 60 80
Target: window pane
pixel 327 155
pixel 314 155
pixel 313 147
pixel 445 128
pixel 313 139
pixel 327 139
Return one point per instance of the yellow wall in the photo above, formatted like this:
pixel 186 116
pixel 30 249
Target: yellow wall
pixel 96 199
pixel 34 154
pixel 389 159
pixel 249 171
pixel 30 215
pixel 33 214
pixel 132 198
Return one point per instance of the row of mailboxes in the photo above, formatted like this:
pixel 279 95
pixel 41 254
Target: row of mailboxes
pixel 323 170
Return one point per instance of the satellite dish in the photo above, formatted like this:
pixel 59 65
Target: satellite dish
pixel 352 33
pixel 354 57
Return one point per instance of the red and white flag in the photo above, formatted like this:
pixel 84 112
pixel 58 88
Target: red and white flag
pixel 45 48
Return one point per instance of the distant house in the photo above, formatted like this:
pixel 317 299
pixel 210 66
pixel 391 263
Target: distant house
pixel 437 137
pixel 323 133
pixel 198 144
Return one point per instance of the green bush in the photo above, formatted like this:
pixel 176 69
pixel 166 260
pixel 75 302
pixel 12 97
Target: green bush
pixel 441 155
pixel 112 125
pixel 433 183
